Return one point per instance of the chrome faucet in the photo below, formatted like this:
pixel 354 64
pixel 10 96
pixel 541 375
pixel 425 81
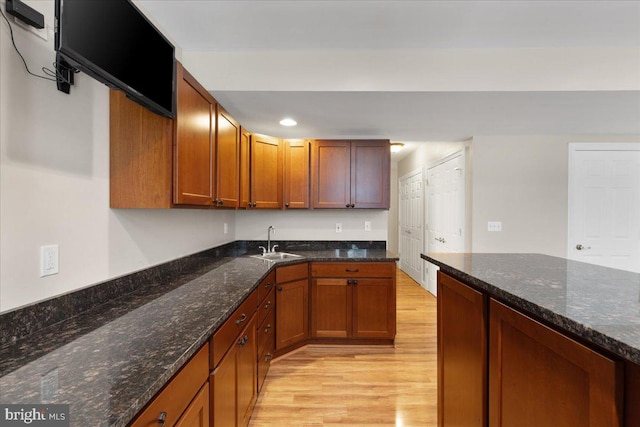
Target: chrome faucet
pixel 269 248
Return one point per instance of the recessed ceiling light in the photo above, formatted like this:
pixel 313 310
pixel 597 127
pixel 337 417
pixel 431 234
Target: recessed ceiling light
pixel 288 122
pixel 396 146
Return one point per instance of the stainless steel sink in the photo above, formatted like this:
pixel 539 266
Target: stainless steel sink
pixel 274 256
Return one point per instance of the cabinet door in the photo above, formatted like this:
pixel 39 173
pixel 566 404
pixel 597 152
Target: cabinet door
pixel 194 143
pixel 224 390
pixel 370 174
pixel 245 161
pixel 331 309
pixel 374 308
pixel 539 377
pixel 296 174
pixel 462 342
pixel 228 160
pixel 331 175
pixel 197 414
pixel 292 313
pixel 247 372
pixel 266 172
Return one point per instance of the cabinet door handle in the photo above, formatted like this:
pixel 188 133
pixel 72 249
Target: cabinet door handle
pixel 353 205
pixel 286 205
pixel 241 319
pixel 279 288
pixel 267 305
pixel 354 282
pixel 352 271
pixel 267 329
pixel 254 204
pixel 243 340
pixel 221 202
pixel 162 418
pixel 347 205
pixel 268 357
pixel 348 282
pixel 249 204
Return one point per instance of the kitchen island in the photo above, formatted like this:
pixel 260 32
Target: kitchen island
pixel 529 339
pixel 110 361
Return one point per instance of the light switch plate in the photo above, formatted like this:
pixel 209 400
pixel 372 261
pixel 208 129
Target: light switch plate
pixel 494 226
pixel 367 226
pixel 338 227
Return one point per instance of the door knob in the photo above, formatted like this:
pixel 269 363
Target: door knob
pixel 580 247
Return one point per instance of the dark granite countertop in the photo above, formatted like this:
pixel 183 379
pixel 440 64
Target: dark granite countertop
pixel 110 361
pixel 598 304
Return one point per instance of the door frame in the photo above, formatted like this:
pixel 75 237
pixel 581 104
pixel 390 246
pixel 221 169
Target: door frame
pixel 420 170
pixel 573 148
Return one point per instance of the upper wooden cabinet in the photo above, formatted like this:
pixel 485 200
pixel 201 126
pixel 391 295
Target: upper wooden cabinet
pixel 296 174
pixel 194 150
pixel 266 172
pixel 227 160
pixel 245 168
pixel 350 174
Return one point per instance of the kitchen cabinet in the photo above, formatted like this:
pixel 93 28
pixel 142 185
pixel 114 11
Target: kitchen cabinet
pixel 182 401
pixel 462 341
pixel 499 367
pixel 266 172
pixel 296 174
pixel 350 174
pixel 353 300
pixel 227 160
pixel 266 328
pixel 538 376
pixel 245 168
pixel 234 366
pixel 141 152
pixel 194 149
pixel 292 305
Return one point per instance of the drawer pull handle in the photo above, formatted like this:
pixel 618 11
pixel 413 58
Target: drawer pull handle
pixel 279 288
pixel 162 418
pixel 243 340
pixel 268 357
pixel 266 330
pixel 353 271
pixel 268 285
pixel 241 319
pixel 267 305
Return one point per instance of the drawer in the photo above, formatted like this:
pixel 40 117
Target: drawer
pixel 178 393
pixel 267 305
pixel 353 269
pixel 225 336
pixel 266 285
pixel 266 331
pixel 264 361
pixel 292 272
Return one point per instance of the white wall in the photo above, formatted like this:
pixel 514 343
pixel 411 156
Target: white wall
pixel 312 225
pixel 522 180
pixel 54 185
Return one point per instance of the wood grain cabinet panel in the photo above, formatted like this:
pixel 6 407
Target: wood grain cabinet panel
pixel 227 160
pixel 194 157
pixel 374 308
pixel 350 174
pixel 332 308
pixel 245 168
pixel 462 354
pixel 539 377
pixel 197 414
pixel 266 172
pixel 292 313
pixel 296 174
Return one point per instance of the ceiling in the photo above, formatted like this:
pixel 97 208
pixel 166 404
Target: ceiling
pixel 250 26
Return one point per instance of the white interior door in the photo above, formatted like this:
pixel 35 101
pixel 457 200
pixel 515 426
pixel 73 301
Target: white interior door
pixel 446 209
pixel 604 205
pixel 412 226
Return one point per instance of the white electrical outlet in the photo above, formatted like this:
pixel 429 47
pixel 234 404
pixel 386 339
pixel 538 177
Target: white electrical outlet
pixel 226 228
pixel 338 227
pixel 367 226
pixel 49 260
pixel 494 226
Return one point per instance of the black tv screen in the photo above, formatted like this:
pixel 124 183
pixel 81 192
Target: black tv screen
pixel 112 41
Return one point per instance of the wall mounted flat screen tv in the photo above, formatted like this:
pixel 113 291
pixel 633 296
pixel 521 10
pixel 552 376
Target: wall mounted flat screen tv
pixel 113 42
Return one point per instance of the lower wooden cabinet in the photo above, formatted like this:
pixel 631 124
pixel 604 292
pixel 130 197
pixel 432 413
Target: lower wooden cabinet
pixel 499 367
pixel 182 401
pixel 233 382
pixel 292 305
pixel 462 354
pixel 539 377
pixel 353 300
pixel 197 414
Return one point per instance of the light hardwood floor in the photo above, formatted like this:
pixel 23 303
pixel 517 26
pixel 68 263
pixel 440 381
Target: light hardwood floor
pixel 356 385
